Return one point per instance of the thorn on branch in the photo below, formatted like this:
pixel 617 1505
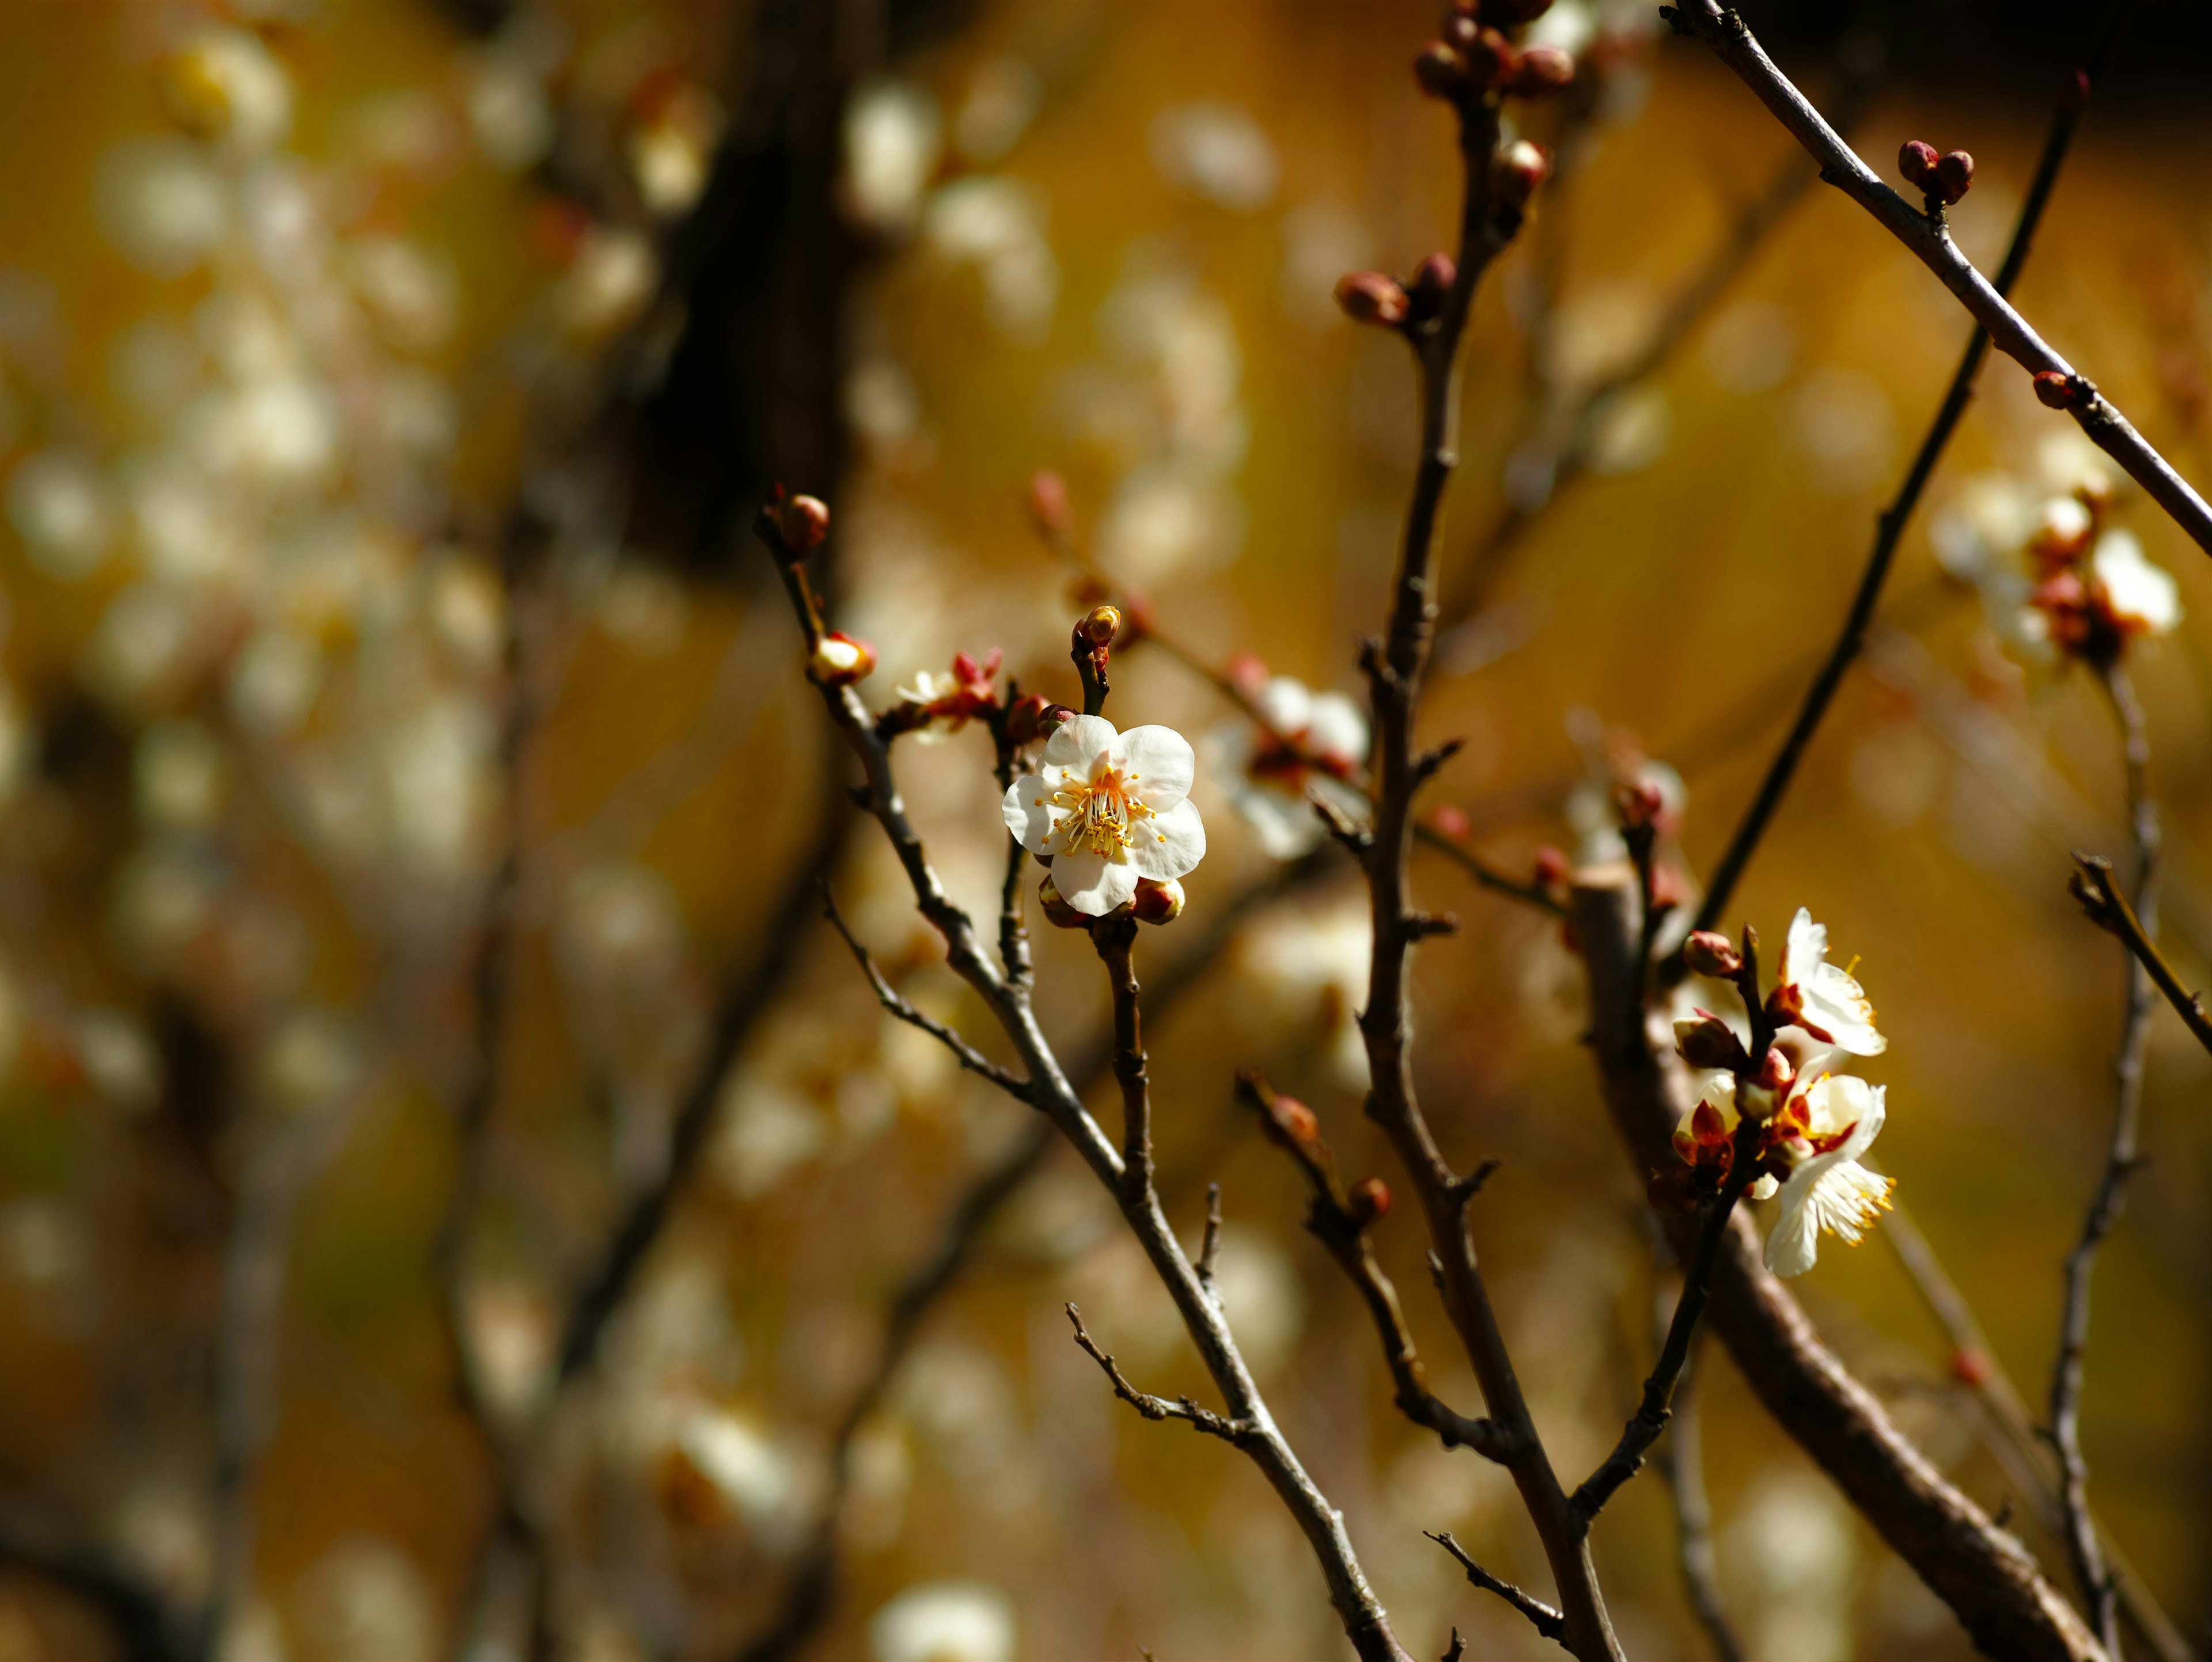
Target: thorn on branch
pixel 1209 1251
pixel 1464 1189
pixel 1233 1432
pixel 1356 837
pixel 1419 926
pixel 1548 1623
pixel 1429 763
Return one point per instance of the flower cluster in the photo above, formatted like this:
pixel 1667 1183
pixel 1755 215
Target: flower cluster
pixel 1780 1105
pixel 1302 745
pixel 936 706
pixel 2057 580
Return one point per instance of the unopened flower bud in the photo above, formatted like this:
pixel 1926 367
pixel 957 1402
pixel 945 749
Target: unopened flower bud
pixel 2074 89
pixel 1521 167
pixel 2056 390
pixel 1706 1041
pixel 1776 1071
pixel 1156 903
pixel 1431 282
pixel 1293 1122
pixel 1639 804
pixel 1491 59
pixel 805 524
pixel 1440 71
pixel 838 660
pixel 1100 625
pixel 1970 1367
pixel 1048 505
pixel 1025 721
pixel 1057 910
pixel 1448 821
pixel 1369 1201
pixel 1371 297
pixel 1916 160
pixel 1708 952
pixel 1552 867
pixel 1461 29
pixel 1954 176
pixel 1539 71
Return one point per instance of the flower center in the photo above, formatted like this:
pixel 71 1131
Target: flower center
pixel 1101 815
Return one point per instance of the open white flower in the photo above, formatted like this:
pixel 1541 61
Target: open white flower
pixel 2143 597
pixel 1817 996
pixel 1312 742
pixel 1828 1191
pixel 1107 808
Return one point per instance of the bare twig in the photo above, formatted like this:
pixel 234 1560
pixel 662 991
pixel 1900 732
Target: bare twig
pixel 1929 238
pixel 1484 873
pixel 1158 1408
pixel 1548 1623
pixel 1333 1223
pixel 896 1002
pixel 2108 908
pixel 1209 1250
pixel 1977 1569
pixel 1682 1460
pixel 2098 1591
pixel 1890 527
pixel 1650 1416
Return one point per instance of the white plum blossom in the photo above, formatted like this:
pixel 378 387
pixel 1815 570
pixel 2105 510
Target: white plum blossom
pixel 945 1621
pixel 2143 597
pixel 1107 808
pixel 1828 1191
pixel 1823 1000
pixel 1311 743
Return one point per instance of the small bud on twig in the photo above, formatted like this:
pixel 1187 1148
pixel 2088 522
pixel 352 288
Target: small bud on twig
pixel 1521 167
pixel 839 661
pixel 1100 625
pixel 1156 903
pixel 1371 297
pixel 1439 70
pixel 806 522
pixel 1057 910
pixel 1706 1041
pixel 1431 282
pixel 1539 71
pixel 2056 390
pixel 1709 952
pixel 2074 89
pixel 1491 59
pixel 1916 160
pixel 1368 1202
pixel 1954 176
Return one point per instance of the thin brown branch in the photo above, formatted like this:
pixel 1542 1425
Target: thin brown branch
pixel 1395 666
pixel 1548 1623
pixel 2108 908
pixel 1115 939
pixel 1651 1413
pixel 1530 894
pixel 1973 1565
pixel 1332 1222
pixel 1929 238
pixel 1160 1408
pixel 1209 1248
pixel 2010 1429
pixel 897 1003
pixel 1682 1460
pixel 2099 1591
pixel 1889 530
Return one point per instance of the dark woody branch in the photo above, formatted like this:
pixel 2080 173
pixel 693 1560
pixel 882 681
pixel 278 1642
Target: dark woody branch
pixel 1929 240
pixel 1158 1408
pixel 1975 1566
pixel 1547 1622
pixel 2108 908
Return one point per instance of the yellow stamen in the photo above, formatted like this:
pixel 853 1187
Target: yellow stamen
pixel 1100 815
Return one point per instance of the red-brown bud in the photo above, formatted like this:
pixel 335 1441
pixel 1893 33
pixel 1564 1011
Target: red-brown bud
pixel 1292 1120
pixel 805 524
pixel 1916 160
pixel 1954 176
pixel 2074 89
pixel 1367 1203
pixel 2056 390
pixel 1156 903
pixel 1440 71
pixel 838 660
pixel 1491 59
pixel 1776 1071
pixel 1539 71
pixel 1448 821
pixel 1706 1041
pixel 1521 167
pixel 1100 625
pixel 1970 1367
pixel 1058 910
pixel 1552 867
pixel 1048 505
pixel 1639 805
pixel 1461 29
pixel 1708 952
pixel 1371 297
pixel 1026 720
pixel 1433 280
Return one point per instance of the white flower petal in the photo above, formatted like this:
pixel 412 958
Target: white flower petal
pixel 1091 882
pixel 1339 729
pixel 1160 765
pixel 1805 950
pixel 1078 742
pixel 1286 705
pixel 1836 1004
pixel 1830 1191
pixel 1169 845
pixel 1030 813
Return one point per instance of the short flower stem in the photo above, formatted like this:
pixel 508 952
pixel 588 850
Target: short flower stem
pixel 1115 939
pixel 1651 1417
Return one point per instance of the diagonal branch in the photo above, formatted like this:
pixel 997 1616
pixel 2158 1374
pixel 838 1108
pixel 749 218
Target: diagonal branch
pixel 1158 1408
pixel 1976 1567
pixel 1890 529
pixel 1929 240
pixel 2108 909
pixel 1547 1622
pixel 896 1002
